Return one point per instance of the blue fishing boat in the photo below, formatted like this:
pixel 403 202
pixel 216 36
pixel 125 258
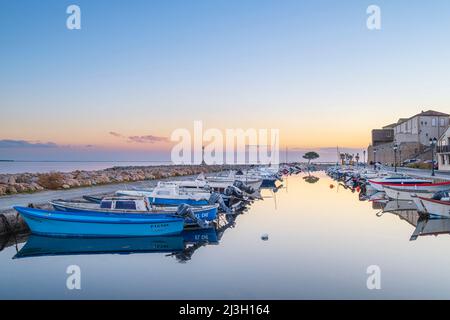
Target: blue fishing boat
pixel 99 224
pixel 134 205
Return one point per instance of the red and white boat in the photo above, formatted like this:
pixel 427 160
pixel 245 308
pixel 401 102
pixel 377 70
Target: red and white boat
pixel 408 183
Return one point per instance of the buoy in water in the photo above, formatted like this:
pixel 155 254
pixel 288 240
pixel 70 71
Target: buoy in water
pixel 265 237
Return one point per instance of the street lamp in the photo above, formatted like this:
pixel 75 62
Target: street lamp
pixel 433 143
pixel 395 157
pixel 374 159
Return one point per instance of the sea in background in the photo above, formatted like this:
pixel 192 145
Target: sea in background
pixel 68 166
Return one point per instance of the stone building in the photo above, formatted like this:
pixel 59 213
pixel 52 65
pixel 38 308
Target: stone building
pixel 411 135
pixel 443 150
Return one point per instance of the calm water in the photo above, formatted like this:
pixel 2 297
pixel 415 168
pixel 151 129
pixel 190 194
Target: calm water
pixel 321 241
pixel 68 166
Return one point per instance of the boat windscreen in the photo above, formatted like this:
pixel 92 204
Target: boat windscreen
pixel 106 204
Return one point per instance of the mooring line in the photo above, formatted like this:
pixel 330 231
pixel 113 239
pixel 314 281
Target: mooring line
pixel 6 222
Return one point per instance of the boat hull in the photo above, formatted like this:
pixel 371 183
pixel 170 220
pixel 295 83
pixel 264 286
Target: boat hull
pixel 208 213
pixel 405 194
pixel 434 207
pixel 406 185
pixel 54 223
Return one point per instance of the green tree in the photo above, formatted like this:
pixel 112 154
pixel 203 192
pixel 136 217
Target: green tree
pixel 311 155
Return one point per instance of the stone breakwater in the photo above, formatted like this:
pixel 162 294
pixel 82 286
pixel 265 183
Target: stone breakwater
pixel 33 182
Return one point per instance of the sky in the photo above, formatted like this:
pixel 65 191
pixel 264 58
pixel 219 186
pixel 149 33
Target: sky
pixel 137 70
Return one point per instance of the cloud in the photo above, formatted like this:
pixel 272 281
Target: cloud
pixel 147 139
pixel 7 143
pixel 115 134
pixel 140 139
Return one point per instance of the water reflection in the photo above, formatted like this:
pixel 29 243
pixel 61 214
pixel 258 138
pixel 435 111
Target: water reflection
pixel 311 179
pixel 424 225
pixel 181 247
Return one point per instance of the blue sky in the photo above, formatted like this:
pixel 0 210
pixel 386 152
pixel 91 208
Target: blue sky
pixel 139 68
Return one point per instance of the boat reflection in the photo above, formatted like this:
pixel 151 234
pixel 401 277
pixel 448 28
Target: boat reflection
pixel 182 246
pixel 424 225
pixel 399 205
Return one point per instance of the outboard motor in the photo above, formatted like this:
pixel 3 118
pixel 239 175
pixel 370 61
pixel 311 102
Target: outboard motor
pixel 240 185
pixel 185 211
pixel 217 198
pixel 233 191
pixel 440 194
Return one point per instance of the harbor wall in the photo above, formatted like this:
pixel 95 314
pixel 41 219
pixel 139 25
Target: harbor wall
pixel 33 182
pixel 407 150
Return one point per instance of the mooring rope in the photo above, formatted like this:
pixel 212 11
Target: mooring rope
pixel 6 222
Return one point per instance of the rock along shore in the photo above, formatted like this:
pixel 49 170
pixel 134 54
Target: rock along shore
pixel 33 182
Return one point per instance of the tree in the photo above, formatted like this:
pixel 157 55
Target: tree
pixel 311 155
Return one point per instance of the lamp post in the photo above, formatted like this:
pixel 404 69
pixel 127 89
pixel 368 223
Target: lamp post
pixel 374 159
pixel 433 143
pixel 395 157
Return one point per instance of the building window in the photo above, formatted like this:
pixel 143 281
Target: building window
pixel 442 122
pixel 433 122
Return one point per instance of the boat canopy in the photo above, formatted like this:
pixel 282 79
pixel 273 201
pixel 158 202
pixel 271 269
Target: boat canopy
pixel 125 203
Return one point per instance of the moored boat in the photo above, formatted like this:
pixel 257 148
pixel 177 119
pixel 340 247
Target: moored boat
pixel 134 205
pixel 407 183
pixel 401 193
pixel 98 224
pixel 218 184
pixel 438 205
pixel 170 194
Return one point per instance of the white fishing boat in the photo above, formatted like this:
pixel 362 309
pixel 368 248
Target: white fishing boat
pixel 398 181
pixel 170 194
pixel 231 177
pixel 219 185
pixel 438 205
pixel 401 193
